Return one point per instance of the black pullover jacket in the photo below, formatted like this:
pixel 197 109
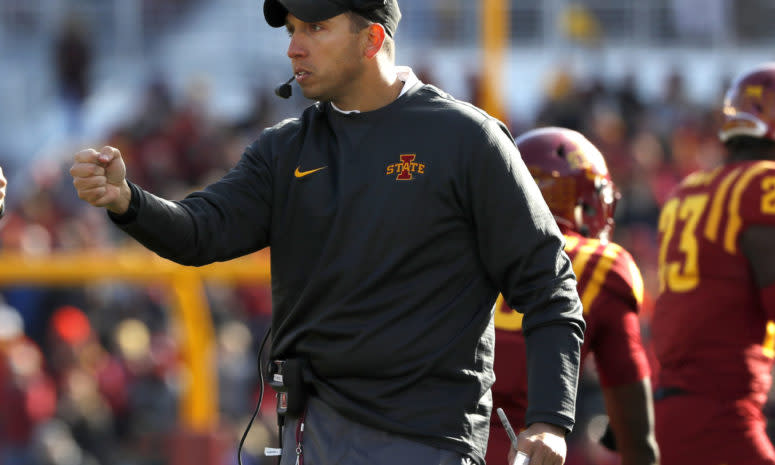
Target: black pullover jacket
pixel 392 233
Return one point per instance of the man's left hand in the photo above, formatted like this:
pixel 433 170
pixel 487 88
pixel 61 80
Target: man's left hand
pixel 543 443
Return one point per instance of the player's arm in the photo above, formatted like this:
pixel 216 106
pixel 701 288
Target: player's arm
pixel 631 418
pixel 756 210
pixel 624 372
pixel 756 243
pixel 621 360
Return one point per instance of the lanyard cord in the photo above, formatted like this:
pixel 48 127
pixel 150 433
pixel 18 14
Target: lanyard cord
pixel 260 395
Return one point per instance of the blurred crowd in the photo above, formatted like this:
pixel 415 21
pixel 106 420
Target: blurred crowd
pixel 91 375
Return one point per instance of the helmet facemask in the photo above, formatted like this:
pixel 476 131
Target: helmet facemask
pixel 573 178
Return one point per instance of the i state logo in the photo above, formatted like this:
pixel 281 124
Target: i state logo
pixel 406 169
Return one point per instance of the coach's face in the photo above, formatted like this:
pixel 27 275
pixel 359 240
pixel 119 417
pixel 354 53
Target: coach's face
pixel 327 57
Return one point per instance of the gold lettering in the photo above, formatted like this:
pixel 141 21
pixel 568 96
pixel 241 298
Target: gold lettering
pixel 768 201
pixel 680 276
pixel 735 222
pixel 754 91
pixel 768 346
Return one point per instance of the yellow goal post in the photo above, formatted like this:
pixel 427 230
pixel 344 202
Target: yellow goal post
pixel 199 400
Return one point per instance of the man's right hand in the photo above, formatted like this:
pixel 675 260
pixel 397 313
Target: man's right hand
pixel 100 179
pixel 3 183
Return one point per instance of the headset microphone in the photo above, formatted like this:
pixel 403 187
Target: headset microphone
pixel 285 90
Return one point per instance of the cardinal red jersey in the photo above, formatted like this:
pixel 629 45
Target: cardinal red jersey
pixel 611 290
pixel 711 334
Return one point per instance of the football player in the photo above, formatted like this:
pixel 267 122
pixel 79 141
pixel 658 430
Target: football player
pixel 713 329
pixel 577 186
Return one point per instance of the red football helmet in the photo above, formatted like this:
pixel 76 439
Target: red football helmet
pixel 749 105
pixel 573 178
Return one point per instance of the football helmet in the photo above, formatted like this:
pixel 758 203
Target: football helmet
pixel 749 105
pixel 573 178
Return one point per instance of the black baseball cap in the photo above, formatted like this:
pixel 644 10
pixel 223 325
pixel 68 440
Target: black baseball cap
pixel 384 12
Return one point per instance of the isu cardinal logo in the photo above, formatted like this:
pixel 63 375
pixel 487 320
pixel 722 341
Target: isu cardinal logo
pixel 406 169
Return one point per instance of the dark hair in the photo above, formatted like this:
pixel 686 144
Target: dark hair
pixel 359 23
pixel 750 148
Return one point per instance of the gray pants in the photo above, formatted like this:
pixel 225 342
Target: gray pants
pixel 331 439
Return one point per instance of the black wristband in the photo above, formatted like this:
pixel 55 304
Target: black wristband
pixel 608 440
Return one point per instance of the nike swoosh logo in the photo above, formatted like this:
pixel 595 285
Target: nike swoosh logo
pixel 300 174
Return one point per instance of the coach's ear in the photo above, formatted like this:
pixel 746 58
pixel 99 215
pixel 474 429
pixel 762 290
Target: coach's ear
pixel 375 40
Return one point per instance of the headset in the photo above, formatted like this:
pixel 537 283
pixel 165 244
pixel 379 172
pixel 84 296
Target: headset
pixel 284 90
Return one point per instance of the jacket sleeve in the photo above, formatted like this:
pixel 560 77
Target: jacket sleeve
pixel 522 250
pixel 227 219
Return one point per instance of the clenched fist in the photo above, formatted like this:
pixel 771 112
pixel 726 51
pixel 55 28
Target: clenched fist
pixel 100 179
